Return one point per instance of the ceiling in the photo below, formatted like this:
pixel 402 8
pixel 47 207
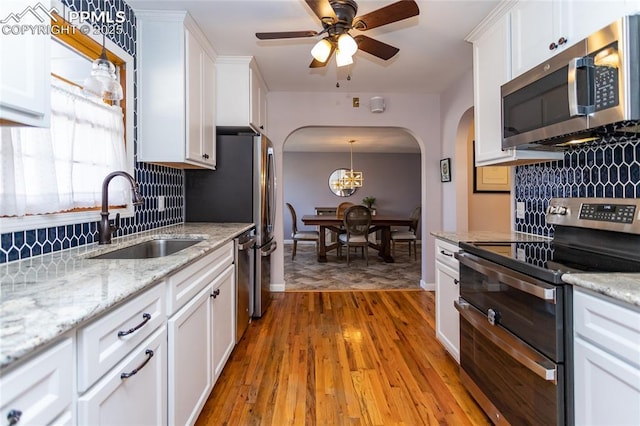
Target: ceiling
pixel 433 53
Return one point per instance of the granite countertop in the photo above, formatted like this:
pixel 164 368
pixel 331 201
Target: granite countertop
pixel 43 297
pixel 623 287
pixel 492 236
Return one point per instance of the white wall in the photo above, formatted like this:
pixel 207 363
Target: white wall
pixel 457 115
pixel 418 114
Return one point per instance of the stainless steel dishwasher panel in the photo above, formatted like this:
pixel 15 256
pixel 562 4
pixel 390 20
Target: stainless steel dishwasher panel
pixel 245 267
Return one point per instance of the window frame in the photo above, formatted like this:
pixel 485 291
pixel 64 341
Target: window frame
pixel 126 63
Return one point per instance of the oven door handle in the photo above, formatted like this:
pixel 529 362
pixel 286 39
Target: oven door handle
pixel 510 344
pixel 509 277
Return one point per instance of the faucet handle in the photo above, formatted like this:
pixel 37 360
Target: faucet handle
pixel 116 223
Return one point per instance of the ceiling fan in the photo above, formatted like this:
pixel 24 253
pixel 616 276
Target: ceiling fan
pixel 337 18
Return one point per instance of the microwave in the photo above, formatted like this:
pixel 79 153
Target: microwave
pixel 587 91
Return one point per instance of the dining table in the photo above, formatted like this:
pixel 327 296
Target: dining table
pixel 382 223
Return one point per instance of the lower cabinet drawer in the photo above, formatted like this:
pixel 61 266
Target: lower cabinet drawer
pixel 40 392
pixel 134 392
pixel 445 253
pixel 104 342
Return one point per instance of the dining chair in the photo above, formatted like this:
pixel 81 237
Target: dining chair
pixel 357 224
pixel 410 236
pixel 300 235
pixel 340 215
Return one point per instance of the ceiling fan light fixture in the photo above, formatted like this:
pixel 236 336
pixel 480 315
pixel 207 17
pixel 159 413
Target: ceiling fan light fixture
pixel 321 50
pixel 343 59
pixel 347 44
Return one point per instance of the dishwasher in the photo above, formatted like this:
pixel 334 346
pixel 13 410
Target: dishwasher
pixel 245 267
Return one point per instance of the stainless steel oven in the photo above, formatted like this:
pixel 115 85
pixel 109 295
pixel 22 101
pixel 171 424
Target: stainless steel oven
pixel 516 312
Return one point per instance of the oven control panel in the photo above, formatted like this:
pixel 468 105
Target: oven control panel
pixel 608 212
pixel 613 214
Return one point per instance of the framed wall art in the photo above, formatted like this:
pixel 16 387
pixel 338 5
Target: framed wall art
pixel 491 178
pixel 445 170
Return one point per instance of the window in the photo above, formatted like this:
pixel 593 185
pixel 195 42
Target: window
pixel 51 177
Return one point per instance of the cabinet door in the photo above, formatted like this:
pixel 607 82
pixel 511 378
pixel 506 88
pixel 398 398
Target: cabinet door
pixel 600 14
pixel 42 388
pixel 491 69
pixel 254 101
pixel 139 399
pixel 224 319
pixel 190 363
pixel 208 94
pixel 607 389
pixel 25 67
pixel 537 28
pixel 447 320
pixel 194 93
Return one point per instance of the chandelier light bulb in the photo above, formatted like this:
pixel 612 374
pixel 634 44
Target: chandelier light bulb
pixel 343 59
pixel 347 44
pixel 321 50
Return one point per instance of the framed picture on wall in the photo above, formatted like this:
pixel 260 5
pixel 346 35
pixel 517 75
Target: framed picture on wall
pixel 445 170
pixel 491 178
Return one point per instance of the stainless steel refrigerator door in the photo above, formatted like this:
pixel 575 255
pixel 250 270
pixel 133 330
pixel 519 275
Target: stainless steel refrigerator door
pixel 262 290
pixel 245 267
pixel 264 208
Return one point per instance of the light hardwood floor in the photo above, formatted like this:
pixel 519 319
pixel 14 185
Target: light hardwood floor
pixel 342 358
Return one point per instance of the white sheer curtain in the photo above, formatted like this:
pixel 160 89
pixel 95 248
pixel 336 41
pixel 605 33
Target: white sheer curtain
pixel 62 168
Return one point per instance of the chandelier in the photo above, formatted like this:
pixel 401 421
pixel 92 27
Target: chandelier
pixel 351 178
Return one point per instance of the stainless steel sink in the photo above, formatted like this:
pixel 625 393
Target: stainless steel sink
pixel 150 249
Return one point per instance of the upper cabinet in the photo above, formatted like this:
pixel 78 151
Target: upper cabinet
pixel 176 91
pixel 540 29
pixel 242 93
pixel 25 69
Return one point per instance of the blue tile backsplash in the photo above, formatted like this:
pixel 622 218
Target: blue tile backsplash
pixel 154 180
pixel 608 168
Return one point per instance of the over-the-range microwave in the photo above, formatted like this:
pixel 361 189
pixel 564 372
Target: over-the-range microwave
pixel 589 90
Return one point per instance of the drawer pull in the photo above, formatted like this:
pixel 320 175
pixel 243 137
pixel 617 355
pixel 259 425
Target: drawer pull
pixel 215 293
pixel 146 317
pixel 456 282
pixel 14 417
pixel 445 253
pixel 149 354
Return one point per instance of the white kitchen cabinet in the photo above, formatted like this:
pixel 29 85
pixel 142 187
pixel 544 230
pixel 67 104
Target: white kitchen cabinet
pixel 41 391
pixel 105 342
pixel 241 93
pixel 491 69
pixel 606 360
pixel 539 30
pixel 201 333
pixel 447 291
pixel 25 68
pixel 190 359
pixel 177 84
pixel 140 398
pixel 223 319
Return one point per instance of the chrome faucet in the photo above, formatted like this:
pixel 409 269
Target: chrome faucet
pixel 105 230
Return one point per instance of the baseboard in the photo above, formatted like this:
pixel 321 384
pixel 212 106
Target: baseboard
pixel 427 286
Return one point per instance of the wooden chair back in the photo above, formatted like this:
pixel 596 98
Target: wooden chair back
pixel 341 209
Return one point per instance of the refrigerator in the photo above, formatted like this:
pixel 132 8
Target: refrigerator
pixel 241 189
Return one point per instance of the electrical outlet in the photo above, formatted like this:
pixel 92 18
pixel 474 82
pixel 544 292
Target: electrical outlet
pixel 521 254
pixel 520 210
pixel 356 102
pixel 160 203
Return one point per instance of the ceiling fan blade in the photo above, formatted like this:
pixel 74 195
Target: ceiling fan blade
pixel 375 47
pixel 322 9
pixel 286 34
pixel 317 64
pixel 394 12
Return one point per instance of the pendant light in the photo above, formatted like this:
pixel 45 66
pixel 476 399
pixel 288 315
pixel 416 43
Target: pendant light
pixel 352 179
pixel 103 81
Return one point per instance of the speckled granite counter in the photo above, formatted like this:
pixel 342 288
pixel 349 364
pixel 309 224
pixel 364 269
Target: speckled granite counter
pixel 619 286
pixel 456 237
pixel 43 297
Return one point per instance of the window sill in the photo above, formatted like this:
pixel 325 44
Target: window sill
pixel 17 224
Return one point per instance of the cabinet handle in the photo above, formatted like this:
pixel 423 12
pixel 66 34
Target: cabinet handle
pixel 215 293
pixel 562 41
pixel 14 417
pixel 149 354
pixel 553 46
pixel 261 127
pixel 146 317
pixel 205 156
pixel 456 282
pixel 445 253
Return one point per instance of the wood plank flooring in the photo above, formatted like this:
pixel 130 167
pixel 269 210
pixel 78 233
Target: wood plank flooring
pixel 342 358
